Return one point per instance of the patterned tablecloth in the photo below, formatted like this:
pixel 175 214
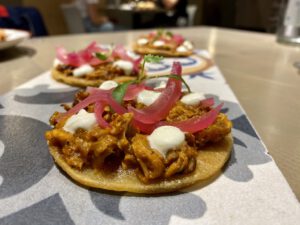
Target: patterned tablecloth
pixel 251 189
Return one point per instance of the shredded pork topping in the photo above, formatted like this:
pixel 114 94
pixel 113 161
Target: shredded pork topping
pixel 168 42
pixel 181 112
pixel 123 146
pixel 104 71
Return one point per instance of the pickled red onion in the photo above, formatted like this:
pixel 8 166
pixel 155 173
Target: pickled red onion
pixel 152 34
pixel 198 123
pixel 120 52
pixel 192 125
pixel 151 117
pixel 133 90
pixel 136 64
pixel 84 103
pixel 94 47
pixel 61 54
pixel 161 107
pixel 178 39
pixel 87 56
pixel 176 69
pixel 99 109
pixel 115 105
pixel 104 96
pixel 209 102
pixel 145 128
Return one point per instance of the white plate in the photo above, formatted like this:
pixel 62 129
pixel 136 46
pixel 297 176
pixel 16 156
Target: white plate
pixel 13 37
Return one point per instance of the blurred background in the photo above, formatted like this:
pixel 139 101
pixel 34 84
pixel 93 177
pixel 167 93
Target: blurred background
pixel 55 17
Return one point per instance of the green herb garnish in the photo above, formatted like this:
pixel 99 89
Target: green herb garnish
pixel 169 33
pixel 175 77
pixel 101 56
pixel 149 59
pixel 157 59
pixel 160 32
pixel 119 92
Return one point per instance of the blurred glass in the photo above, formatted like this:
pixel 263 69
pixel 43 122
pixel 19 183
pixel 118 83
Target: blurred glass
pixel 288 30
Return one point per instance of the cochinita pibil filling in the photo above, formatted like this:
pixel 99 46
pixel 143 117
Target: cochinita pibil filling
pixel 156 132
pixel 96 62
pixel 165 40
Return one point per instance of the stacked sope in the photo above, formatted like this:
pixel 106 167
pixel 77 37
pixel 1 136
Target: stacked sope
pixel 94 65
pixel 138 138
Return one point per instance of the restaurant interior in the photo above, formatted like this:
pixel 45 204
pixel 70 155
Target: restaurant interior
pixel 64 16
pixel 150 112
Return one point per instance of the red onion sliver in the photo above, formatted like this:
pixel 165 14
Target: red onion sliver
pixel 99 109
pixel 196 124
pixel 209 102
pixel 161 107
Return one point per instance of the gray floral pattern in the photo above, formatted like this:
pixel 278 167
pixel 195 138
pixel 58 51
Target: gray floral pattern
pixel 24 160
pixel 50 211
pixel 40 94
pixel 148 209
pixel 248 149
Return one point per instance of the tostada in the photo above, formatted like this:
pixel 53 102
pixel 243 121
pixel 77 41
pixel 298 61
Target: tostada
pixel 164 43
pixel 139 138
pixel 94 65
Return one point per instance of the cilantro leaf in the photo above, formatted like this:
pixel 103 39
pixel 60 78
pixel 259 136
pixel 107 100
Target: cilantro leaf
pixel 101 56
pixel 160 32
pixel 119 92
pixel 150 59
pixel 169 33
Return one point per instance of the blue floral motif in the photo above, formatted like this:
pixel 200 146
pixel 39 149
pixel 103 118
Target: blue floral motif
pixel 166 64
pixel 203 74
pixel 161 67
